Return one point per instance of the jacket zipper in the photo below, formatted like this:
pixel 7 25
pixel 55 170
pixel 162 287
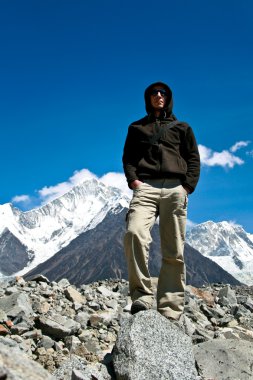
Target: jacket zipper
pixel 158 124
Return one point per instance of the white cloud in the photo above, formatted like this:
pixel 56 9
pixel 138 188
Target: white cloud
pixel 21 199
pixel 117 180
pixel 225 159
pixel 47 194
pixel 189 224
pixel 234 223
pixel 239 145
pixel 80 176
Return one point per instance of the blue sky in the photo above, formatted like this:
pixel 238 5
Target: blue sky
pixel 72 79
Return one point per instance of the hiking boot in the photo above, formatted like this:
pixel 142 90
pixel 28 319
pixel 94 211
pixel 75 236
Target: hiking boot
pixel 139 305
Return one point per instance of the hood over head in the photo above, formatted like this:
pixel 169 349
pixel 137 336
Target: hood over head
pixel 169 101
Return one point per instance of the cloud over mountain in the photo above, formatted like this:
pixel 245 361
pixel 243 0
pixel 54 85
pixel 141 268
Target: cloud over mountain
pixel 49 193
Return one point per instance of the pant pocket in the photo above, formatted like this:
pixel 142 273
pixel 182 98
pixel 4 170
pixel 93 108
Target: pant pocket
pixel 185 201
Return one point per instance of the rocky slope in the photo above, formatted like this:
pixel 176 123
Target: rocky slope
pixel 71 331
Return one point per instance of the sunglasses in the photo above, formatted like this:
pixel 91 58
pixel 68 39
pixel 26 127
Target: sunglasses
pixel 155 92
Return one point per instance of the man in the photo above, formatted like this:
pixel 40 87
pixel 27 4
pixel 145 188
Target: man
pixel 161 164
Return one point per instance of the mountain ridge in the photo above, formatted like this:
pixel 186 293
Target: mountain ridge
pixel 45 230
pixel 83 262
pixel 39 234
pixel 227 244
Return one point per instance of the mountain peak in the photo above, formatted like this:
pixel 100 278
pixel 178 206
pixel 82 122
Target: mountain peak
pixel 226 243
pixel 47 229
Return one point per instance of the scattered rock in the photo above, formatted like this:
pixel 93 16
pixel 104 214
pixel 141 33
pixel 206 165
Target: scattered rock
pixel 72 331
pixel 16 304
pixel 73 295
pixel 15 365
pixel 58 326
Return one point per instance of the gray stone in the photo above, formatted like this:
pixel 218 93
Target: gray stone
pixel 227 296
pixel 242 312
pixel 113 304
pixel 104 291
pixel 217 312
pixel 230 334
pixel 246 335
pixel 73 295
pixel 3 316
pixel 225 359
pixel 72 342
pixel 7 342
pixel 34 334
pixel 11 290
pixel 58 326
pixel 77 306
pixel 46 342
pixel 91 372
pixel 64 371
pixel 92 345
pixel 94 305
pixel 187 326
pixel 241 299
pixel 207 334
pixel 39 278
pixel 82 318
pixel 64 283
pixel 150 347
pixel 20 328
pixel 78 375
pixel 85 335
pixel 225 320
pixel 16 304
pixel 102 317
pixel 249 304
pixel 17 366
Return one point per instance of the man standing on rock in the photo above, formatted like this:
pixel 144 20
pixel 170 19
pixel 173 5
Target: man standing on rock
pixel 162 166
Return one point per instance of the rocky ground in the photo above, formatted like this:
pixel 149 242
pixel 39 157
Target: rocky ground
pixel 72 331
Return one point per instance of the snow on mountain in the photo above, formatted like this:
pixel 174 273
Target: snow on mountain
pixel 44 231
pixel 228 245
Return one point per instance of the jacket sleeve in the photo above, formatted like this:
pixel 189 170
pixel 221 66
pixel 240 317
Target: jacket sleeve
pixel 192 158
pixel 129 158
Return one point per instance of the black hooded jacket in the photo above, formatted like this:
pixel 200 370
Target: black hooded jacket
pixel 157 148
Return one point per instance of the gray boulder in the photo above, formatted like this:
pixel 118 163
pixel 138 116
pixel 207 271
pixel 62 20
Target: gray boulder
pixel 14 365
pixel 227 296
pixel 91 372
pixel 225 359
pixel 16 304
pixel 58 326
pixel 150 347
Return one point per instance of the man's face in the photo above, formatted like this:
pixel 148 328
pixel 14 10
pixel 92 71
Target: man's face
pixel 158 98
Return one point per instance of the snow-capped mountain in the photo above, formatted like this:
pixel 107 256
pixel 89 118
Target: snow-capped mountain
pixel 30 238
pixel 82 261
pixel 228 245
pixel 44 231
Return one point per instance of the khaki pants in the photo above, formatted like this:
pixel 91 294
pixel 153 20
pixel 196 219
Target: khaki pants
pixel 167 199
